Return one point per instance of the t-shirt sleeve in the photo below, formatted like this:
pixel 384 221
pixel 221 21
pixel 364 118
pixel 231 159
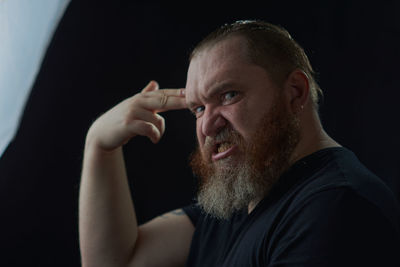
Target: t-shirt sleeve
pixel 193 211
pixel 335 228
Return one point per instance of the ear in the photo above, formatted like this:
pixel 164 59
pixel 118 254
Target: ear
pixel 297 89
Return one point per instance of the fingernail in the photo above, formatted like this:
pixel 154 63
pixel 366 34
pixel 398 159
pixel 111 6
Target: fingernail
pixel 155 84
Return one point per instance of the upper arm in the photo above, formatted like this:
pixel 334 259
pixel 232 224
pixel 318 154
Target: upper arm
pixel 164 241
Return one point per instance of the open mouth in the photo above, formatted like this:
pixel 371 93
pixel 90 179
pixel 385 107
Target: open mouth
pixel 222 147
pixel 223 150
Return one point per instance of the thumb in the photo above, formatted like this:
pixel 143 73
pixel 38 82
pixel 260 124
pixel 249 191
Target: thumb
pixel 151 86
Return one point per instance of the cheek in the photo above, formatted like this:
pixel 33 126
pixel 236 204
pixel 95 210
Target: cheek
pixel 251 117
pixel 200 137
pixel 239 119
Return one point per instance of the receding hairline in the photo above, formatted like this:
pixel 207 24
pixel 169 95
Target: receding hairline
pixel 239 28
pixel 242 42
pixel 269 46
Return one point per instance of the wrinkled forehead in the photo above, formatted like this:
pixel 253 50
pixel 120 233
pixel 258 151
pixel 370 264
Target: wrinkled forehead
pixel 216 63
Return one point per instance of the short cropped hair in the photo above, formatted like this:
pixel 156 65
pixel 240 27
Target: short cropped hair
pixel 269 46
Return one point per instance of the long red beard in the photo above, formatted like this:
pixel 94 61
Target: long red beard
pixel 230 185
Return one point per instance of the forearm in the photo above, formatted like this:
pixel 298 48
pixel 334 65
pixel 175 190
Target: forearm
pixel 107 220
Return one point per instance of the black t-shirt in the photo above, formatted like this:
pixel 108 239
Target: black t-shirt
pixel 326 210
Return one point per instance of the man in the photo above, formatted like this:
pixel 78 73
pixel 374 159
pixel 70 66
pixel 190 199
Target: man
pixel 275 190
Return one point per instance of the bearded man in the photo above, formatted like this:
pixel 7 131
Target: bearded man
pixel 275 189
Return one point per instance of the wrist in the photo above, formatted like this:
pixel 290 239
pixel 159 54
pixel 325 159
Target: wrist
pixel 93 146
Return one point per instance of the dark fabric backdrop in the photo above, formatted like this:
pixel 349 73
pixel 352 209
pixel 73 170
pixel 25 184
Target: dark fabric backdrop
pixel 105 51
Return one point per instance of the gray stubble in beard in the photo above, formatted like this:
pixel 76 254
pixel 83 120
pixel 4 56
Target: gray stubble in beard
pixel 230 185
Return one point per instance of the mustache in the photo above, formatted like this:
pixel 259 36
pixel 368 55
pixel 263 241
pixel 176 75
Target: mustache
pixel 227 134
pixel 224 135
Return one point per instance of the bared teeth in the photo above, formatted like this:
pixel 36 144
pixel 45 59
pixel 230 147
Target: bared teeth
pixel 223 147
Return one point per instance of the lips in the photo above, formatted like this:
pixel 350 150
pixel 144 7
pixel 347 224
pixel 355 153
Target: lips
pixel 223 150
pixel 223 147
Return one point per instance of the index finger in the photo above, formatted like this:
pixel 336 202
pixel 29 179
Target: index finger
pixel 168 91
pixel 166 99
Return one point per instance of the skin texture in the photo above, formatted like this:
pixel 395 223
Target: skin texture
pixel 224 89
pixel 213 73
pixel 108 230
pixel 237 103
pixel 231 183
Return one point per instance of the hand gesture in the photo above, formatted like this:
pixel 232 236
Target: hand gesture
pixel 137 115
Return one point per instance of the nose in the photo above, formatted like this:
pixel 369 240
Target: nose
pixel 212 123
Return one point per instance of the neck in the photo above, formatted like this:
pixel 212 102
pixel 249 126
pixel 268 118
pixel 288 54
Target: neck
pixel 312 138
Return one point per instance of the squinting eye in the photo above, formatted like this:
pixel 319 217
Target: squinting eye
pixel 198 109
pixel 229 95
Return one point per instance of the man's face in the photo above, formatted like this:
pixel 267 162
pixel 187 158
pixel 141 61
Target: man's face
pixel 243 129
pixel 225 90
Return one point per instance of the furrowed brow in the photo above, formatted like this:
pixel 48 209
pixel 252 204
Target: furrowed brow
pixel 212 92
pixel 218 88
pixel 191 105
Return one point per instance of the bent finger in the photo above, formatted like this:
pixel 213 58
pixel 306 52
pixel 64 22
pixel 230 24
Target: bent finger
pixel 145 128
pixel 148 116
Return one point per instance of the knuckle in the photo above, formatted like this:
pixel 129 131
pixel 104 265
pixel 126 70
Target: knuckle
pixel 127 121
pixel 149 129
pixel 133 101
pixel 163 100
pixel 160 120
pixel 137 99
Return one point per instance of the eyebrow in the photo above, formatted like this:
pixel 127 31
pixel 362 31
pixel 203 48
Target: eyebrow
pixel 214 90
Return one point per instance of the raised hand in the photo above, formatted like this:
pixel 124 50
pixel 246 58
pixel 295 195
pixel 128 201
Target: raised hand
pixel 137 115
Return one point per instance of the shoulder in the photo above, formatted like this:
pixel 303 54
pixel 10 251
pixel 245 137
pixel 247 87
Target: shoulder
pixel 338 210
pixel 194 212
pixel 336 225
pixel 345 181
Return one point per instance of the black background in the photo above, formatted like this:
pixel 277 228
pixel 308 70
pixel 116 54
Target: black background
pixel 105 51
